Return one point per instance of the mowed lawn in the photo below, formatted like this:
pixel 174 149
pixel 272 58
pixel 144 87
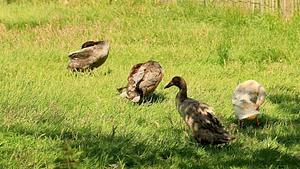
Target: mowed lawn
pixel 50 118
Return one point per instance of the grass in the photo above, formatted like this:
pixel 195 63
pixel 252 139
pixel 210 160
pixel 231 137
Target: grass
pixel 52 119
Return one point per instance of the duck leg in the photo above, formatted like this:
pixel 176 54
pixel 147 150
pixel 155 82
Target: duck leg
pixel 241 123
pixel 257 122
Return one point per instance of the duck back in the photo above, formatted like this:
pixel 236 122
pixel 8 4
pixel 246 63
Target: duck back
pixel 143 79
pixel 91 56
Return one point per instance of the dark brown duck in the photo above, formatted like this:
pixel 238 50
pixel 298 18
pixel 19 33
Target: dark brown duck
pixel 142 80
pixel 92 55
pixel 205 126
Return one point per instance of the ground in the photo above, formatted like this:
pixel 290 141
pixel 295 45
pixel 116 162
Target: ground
pixel 51 118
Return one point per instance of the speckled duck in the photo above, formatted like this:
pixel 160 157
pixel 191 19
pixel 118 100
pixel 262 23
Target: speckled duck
pixel 142 81
pixel 205 126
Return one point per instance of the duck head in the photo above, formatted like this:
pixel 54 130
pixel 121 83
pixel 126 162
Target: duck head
pixel 88 44
pixel 92 43
pixel 102 46
pixel 176 81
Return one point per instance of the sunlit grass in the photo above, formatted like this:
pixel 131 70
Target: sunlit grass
pixel 54 119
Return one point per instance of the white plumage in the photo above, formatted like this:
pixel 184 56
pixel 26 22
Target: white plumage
pixel 247 99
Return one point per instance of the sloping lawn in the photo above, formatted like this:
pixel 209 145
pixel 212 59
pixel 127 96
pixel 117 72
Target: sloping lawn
pixel 51 118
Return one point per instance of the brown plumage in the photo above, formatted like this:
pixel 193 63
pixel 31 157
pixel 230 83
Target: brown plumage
pixel 142 80
pixel 205 126
pixel 92 55
pixel 247 99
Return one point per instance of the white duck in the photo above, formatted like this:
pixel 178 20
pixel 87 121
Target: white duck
pixel 247 99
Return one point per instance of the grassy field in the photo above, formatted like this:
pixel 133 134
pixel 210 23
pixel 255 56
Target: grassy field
pixel 51 118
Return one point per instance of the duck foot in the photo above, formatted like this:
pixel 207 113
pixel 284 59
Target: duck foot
pixel 241 122
pixel 257 122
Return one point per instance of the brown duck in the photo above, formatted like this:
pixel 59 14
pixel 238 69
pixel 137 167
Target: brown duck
pixel 205 126
pixel 92 55
pixel 247 99
pixel 142 80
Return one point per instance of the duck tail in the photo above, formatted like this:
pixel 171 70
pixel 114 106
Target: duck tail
pixel 224 138
pixel 121 89
pixel 230 137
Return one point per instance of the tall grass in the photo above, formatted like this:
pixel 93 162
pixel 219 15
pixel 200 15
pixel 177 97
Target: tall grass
pixel 53 119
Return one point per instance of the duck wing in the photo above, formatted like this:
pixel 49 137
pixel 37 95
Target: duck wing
pixel 206 127
pixel 136 74
pixel 261 95
pixel 152 77
pixel 131 91
pixel 206 117
pixel 132 80
pixel 83 53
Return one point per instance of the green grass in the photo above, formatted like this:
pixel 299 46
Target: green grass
pixel 52 119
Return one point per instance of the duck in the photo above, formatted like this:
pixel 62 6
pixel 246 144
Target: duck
pixel 247 99
pixel 91 55
pixel 143 79
pixel 199 116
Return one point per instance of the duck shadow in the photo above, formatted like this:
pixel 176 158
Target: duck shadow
pixel 263 119
pixel 78 74
pixel 108 72
pixel 287 99
pixel 90 72
pixel 153 98
pixel 287 138
pixel 264 122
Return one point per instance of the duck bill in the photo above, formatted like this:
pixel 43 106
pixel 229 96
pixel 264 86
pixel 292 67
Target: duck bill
pixel 169 85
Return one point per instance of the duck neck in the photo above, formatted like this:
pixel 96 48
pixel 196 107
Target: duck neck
pixel 182 94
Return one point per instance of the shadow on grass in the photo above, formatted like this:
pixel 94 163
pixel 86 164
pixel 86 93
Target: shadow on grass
pixel 154 98
pixel 263 119
pixel 262 158
pixel 148 100
pixel 89 72
pixel 131 150
pixel 105 150
pixel 270 157
pixel 286 98
pixel 288 139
